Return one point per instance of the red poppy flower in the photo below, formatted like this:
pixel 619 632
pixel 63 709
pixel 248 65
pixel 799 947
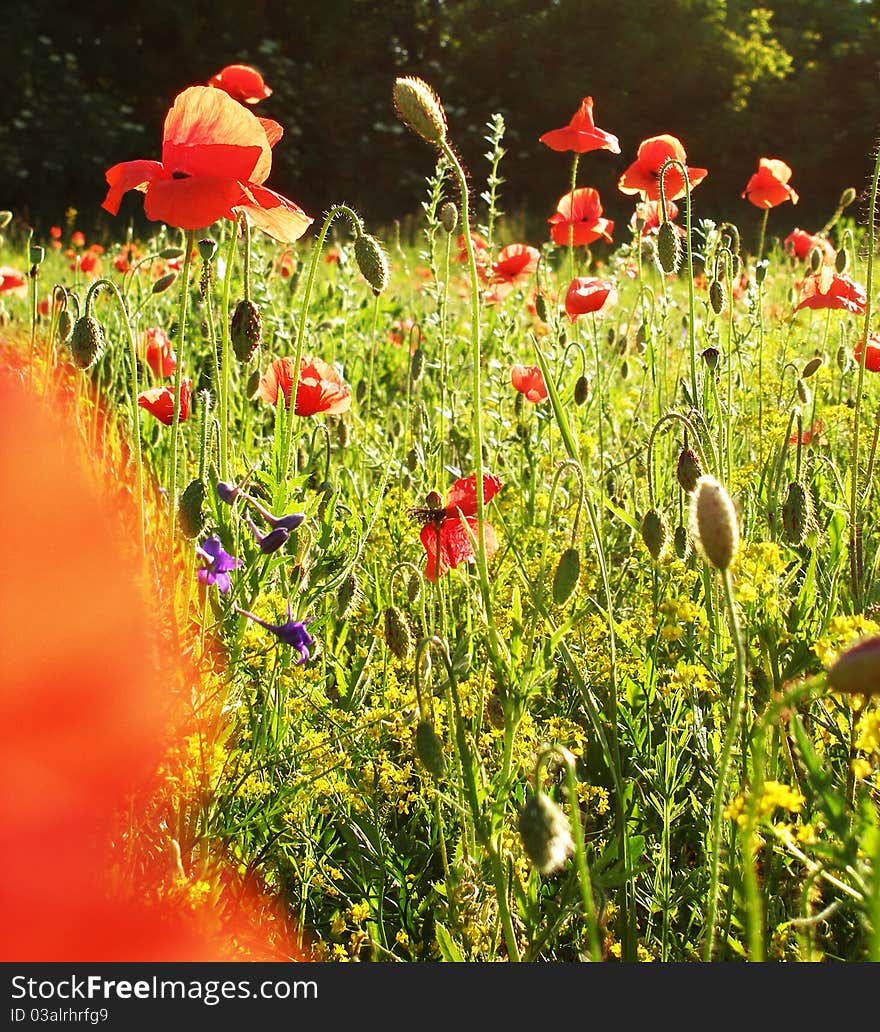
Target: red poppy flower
pixel 481 253
pixel 514 265
pixel 649 213
pixel 78 239
pixel 589 294
pixel 828 289
pixel 11 280
pixel 215 157
pixel 643 175
pixel 159 401
pixel 769 185
pixel 529 381
pixel 55 232
pixel 157 351
pixel 818 428
pixel 799 243
pixel 581 134
pixel 582 211
pixel 447 542
pixel 242 83
pixel 872 358
pixel 319 388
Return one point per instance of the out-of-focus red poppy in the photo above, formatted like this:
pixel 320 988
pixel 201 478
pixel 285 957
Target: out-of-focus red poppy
pixel 580 211
pixel 88 263
pixel 827 289
pixel 481 253
pixel 799 244
pixel 242 83
pixel 401 330
pixel 447 542
pixel 319 388
pixel 649 214
pixel 12 281
pixel 159 401
pixel 215 157
pixel 78 239
pixel 814 433
pixel 529 381
pixel 643 175
pixel 156 349
pixel 872 358
pixel 581 134
pixel 514 265
pixel 769 185
pixel 589 294
pixel 55 232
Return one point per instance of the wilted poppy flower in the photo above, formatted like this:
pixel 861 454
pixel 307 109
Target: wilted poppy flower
pixel 215 157
pixel 293 632
pixel 529 381
pixel 643 175
pixel 319 389
pixel 579 211
pixel 219 564
pixel 581 134
pixel 12 280
pixel 769 185
pixel 242 83
pixel 157 351
pixel 159 401
pixel 514 265
pixel 799 243
pixel 447 542
pixel 589 294
pixel 827 289
pixel 872 358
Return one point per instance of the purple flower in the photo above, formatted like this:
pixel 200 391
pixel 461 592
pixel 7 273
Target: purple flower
pixel 226 492
pixel 219 564
pixel 291 633
pixel 270 542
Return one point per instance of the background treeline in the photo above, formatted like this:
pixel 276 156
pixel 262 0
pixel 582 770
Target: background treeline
pixel 83 86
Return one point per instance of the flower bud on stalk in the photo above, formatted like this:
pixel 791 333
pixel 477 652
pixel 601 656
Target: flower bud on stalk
pixel 429 749
pixel 246 331
pixel 419 108
pixel 545 834
pixel 372 262
pixel 449 217
pixel 713 520
pixel 86 341
pixel 398 636
pixel 668 248
pixel 655 532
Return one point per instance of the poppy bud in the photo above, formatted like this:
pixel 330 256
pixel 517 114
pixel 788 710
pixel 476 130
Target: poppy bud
pixel 717 296
pixel 86 341
pixel 253 384
pixel 668 248
pixel 419 108
pixel 164 282
pixel 347 596
pixel 655 532
pixel 65 325
pixel 714 525
pixel 541 307
pixel 246 330
pixel 842 359
pixel 412 460
pixel 360 391
pixel 414 588
pixel 398 636
pixel 170 253
pixel 761 271
pixel 688 470
pixel 803 392
pixel 760 686
pixel 681 542
pixel 857 671
pixel 372 261
pixel 611 336
pixel 189 509
pixel 847 197
pixel 545 834
pixel 841 261
pixel 449 216
pixel 815 259
pixel 207 249
pixel 567 575
pixel 429 749
pixel 797 513
pixel 416 365
pixel 811 367
pixel 624 369
pixel 581 390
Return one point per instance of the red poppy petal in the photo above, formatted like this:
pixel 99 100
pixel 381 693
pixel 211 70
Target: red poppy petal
pixel 274 130
pixel 192 203
pixel 275 215
pixel 130 175
pixel 463 493
pixel 241 82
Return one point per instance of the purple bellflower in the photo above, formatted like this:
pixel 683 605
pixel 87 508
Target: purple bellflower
pixel 219 564
pixel 229 492
pixel 293 632
pixel 270 542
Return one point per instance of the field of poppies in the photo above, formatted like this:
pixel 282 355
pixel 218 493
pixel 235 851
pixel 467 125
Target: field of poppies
pixel 451 597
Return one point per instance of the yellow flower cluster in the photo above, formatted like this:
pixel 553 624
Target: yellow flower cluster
pixel 774 796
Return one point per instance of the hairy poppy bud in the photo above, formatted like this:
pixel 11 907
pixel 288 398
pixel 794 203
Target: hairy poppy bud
pixel 567 575
pixel 681 542
pixel 581 390
pixel 847 197
pixel 86 341
pixel 360 392
pixel 811 367
pixel 246 330
pixel 668 248
pixel 347 596
pixel 342 433
pixel 842 359
pixel 714 525
pixel 857 671
pixel 412 460
pixel 449 216
pixel 815 260
pixel 797 513
pixel 65 325
pixel 414 588
pixel 164 282
pixel 803 392
pixel 372 262
pixel 429 749
pixel 398 636
pixel 688 470
pixel 545 834
pixel 189 509
pixel 717 296
pixel 624 369
pixel 841 261
pixel 169 253
pixel 419 108
pixel 541 307
pixel 416 365
pixel 654 531
pixel 207 249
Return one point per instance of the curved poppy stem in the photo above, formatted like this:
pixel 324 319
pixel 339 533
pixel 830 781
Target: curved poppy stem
pixel 181 332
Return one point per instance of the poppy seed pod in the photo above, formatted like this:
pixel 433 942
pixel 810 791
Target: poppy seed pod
pixel 545 834
pixel 710 356
pixel 207 249
pixel 449 216
pixel 857 671
pixel 567 575
pixel 246 330
pixel 189 509
pixel 714 526
pixel 419 108
pixel 398 636
pixel 429 749
pixel 797 513
pixel 372 262
pixel 688 470
pixel 86 341
pixel 717 296
pixel 761 270
pixel 655 532
pixel 581 390
pixel 668 248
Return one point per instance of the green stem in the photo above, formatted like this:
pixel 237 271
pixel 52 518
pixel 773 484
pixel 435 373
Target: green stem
pixel 181 340
pixel 574 172
pixel 763 235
